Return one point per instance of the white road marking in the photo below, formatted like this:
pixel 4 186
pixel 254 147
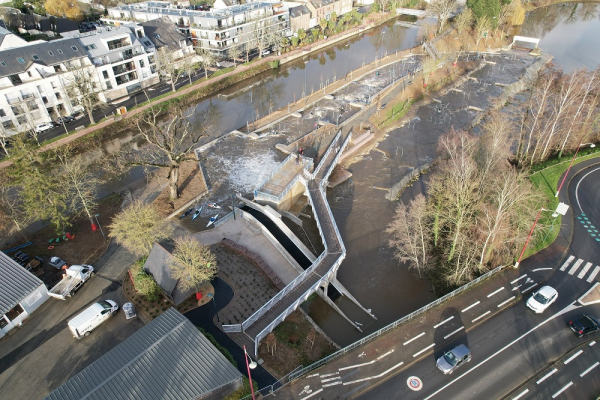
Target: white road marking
pixel 564 310
pixel 337 378
pixel 313 375
pixel 577 187
pixel 481 316
pixel 523 393
pixel 505 301
pixel 515 288
pixel 374 376
pixel 415 338
pixel 593 342
pixel 518 279
pixel 593 274
pixel 452 333
pixel 529 288
pixel 568 385
pixel 584 270
pixel 443 322
pixel 497 291
pixel 548 375
pixel 311 395
pixel 540 269
pixel 332 384
pixel 367 363
pixel 584 373
pixel 424 350
pixel 568 360
pixel 328 375
pixel 566 264
pixel 471 306
pixel 575 266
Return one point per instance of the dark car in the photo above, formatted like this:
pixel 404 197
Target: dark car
pixel 584 325
pixel 57 263
pixel 66 120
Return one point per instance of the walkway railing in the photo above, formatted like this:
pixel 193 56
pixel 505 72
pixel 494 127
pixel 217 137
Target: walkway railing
pixel 272 174
pixel 329 150
pixel 267 196
pixel 295 375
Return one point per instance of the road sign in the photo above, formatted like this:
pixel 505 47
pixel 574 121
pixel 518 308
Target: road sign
pixel 414 383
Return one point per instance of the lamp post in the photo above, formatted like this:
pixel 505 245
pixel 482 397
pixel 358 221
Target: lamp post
pixel 570 165
pixel 250 366
pixel 100 226
pixel 554 214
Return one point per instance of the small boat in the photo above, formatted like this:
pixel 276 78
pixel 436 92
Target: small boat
pixel 188 212
pixel 214 205
pixel 196 213
pixel 212 220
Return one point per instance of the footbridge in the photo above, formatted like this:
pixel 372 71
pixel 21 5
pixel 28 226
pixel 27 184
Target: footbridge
pixel 323 270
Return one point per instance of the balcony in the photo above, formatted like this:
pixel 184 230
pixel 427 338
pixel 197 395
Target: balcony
pixel 132 76
pixel 123 68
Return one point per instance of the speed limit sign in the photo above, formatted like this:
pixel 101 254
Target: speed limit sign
pixel 414 383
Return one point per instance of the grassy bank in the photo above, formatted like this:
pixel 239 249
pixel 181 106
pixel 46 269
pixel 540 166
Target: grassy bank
pixel 546 180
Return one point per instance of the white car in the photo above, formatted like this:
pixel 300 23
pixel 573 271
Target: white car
pixel 43 127
pixel 542 299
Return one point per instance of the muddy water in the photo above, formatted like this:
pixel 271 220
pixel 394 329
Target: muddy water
pixel 569 32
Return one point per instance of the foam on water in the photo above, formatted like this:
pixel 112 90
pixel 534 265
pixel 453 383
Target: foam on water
pixel 244 173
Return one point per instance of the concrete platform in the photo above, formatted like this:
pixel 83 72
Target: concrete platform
pixel 240 232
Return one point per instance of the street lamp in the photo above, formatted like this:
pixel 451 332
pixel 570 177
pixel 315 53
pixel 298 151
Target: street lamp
pixel 554 214
pixel 250 366
pixel 570 165
pixel 100 226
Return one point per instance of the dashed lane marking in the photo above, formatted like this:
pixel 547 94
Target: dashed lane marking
pixel 566 264
pixel 337 378
pixel 593 342
pixel 312 394
pixel 584 373
pixel 375 376
pixel 518 279
pixel 529 288
pixel 505 301
pixel 523 393
pixel 367 363
pixel 574 356
pixel 443 322
pixel 568 385
pixel 328 375
pixel 339 382
pixel 413 339
pixel 584 270
pixel 548 375
pixel 515 288
pixel 481 316
pixel 424 350
pixel 575 266
pixel 540 269
pixel 471 306
pixel 495 292
pixel 452 333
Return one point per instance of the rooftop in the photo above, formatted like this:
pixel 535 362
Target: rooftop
pixel 16 283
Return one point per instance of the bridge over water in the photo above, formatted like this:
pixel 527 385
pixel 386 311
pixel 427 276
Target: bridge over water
pixel 323 270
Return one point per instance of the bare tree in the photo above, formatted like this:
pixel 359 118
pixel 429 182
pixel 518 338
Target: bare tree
pixel 271 342
pixel 442 10
pixel 137 228
pixel 207 59
pixel 234 53
pixel 4 139
pixel 410 235
pixel 194 263
pixel 168 65
pixel 429 65
pixel 463 21
pixel 11 208
pixel 189 66
pixel 482 25
pixel 81 87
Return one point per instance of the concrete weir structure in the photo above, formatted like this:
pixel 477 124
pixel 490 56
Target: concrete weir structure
pixel 323 270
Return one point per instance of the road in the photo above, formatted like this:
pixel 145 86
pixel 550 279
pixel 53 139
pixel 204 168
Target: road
pixel 517 344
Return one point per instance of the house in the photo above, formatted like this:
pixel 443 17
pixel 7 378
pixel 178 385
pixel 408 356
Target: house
pixel 162 33
pixel 322 9
pixel 32 82
pixel 158 265
pixel 9 40
pixel 21 293
pixel 167 359
pixel 299 18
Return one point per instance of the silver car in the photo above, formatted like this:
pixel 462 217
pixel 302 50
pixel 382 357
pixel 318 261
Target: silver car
pixel 542 299
pixel 453 359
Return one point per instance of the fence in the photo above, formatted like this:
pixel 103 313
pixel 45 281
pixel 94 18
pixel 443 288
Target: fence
pixel 374 335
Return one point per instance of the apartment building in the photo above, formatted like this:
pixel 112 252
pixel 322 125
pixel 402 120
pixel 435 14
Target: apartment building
pixel 216 30
pixel 322 9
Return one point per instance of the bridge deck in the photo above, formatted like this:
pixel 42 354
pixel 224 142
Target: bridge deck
pixel 282 178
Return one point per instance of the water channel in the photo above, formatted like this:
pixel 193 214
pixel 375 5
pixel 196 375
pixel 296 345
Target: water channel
pixel 359 207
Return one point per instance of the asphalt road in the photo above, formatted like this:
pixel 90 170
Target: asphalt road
pixel 517 344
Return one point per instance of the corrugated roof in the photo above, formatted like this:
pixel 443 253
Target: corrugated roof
pixel 163 32
pixel 157 264
pixel 166 359
pixel 16 283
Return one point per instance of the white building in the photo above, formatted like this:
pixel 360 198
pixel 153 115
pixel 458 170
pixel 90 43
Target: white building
pixel 21 293
pixel 216 30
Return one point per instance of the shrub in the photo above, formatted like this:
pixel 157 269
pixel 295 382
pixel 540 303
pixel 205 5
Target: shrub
pixel 222 349
pixel 144 283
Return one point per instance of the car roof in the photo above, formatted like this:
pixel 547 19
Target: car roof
pixel 460 351
pixel 587 320
pixel 547 291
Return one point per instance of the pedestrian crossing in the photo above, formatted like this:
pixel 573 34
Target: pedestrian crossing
pixel 583 272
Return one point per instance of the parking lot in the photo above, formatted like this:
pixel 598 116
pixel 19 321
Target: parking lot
pixel 42 354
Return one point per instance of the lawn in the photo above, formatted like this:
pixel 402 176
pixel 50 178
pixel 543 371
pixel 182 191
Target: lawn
pixel 547 181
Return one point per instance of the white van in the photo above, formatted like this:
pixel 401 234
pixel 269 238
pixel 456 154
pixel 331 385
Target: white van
pixel 83 324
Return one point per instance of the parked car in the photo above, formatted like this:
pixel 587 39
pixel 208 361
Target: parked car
pixel 584 325
pixel 66 120
pixel 44 127
pixel 56 262
pixel 75 276
pixel 453 359
pixel 85 322
pixel 542 299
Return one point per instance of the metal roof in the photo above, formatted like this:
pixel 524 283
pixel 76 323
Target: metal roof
pixel 167 359
pixel 163 32
pixel 299 11
pixel 16 283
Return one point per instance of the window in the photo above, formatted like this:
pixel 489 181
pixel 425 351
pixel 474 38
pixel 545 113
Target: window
pixel 108 85
pixel 142 63
pixel 32 105
pixel 22 120
pixel 59 51
pixel 74 48
pixel 3 63
pixel 57 68
pixel 16 110
pixel 8 124
pixel 2 113
pixel 90 47
pixel 51 53
pixel 58 96
pixel 105 74
pixel 35 57
pixel 21 60
pixel 156 35
pixel 29 74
